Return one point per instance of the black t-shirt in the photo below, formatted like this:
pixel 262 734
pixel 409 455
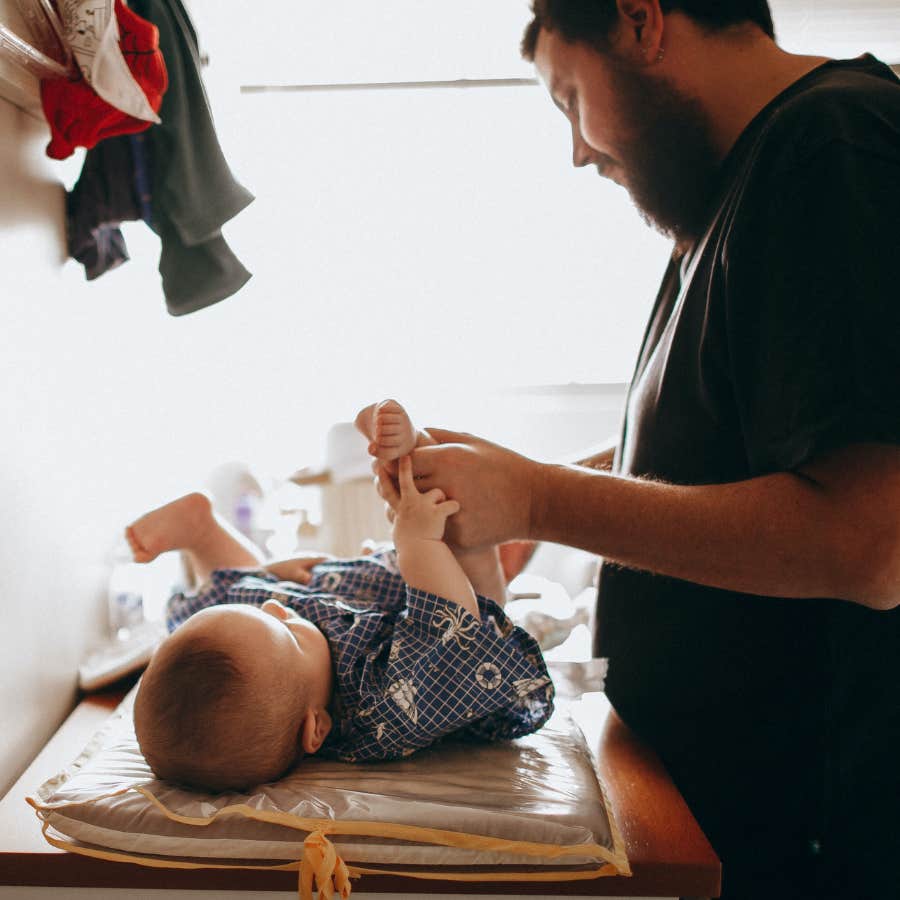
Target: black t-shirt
pixel 776 339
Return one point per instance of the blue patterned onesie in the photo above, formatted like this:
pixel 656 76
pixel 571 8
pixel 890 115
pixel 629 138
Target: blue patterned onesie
pixel 410 667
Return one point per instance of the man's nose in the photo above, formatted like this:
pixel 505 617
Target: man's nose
pixel 581 151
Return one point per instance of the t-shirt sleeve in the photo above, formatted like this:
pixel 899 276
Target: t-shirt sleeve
pixel 813 319
pixel 448 672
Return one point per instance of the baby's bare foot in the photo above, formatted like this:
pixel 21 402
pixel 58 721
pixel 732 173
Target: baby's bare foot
pixel 175 526
pixel 393 434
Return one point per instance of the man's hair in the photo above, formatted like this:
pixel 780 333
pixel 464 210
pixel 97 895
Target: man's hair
pixel 590 22
pixel 199 723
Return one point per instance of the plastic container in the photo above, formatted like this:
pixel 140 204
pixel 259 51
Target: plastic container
pixel 126 599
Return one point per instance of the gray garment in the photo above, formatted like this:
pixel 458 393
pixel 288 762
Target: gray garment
pixel 193 190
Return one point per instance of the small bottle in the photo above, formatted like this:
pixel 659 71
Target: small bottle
pixel 307 533
pixel 245 513
pixel 126 598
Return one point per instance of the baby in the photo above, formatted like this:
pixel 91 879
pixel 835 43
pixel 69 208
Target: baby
pixel 361 659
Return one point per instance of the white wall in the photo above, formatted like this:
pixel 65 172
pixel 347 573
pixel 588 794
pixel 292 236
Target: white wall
pixel 48 474
pixel 88 439
pixel 98 402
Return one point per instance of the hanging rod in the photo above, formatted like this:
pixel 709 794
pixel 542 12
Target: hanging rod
pixel 389 85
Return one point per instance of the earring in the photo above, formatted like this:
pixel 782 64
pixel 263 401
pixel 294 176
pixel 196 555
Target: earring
pixel 661 55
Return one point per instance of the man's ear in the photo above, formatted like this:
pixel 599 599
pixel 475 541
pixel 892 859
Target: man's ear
pixel 640 29
pixel 314 729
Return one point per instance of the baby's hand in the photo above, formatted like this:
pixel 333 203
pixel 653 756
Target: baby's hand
pixel 297 568
pixel 421 516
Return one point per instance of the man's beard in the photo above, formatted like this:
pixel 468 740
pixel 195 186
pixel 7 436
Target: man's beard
pixel 671 164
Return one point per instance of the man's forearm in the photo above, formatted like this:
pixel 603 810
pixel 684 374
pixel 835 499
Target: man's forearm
pixel 777 535
pixel 831 529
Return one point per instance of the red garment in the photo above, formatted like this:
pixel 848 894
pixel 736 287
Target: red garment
pixel 78 117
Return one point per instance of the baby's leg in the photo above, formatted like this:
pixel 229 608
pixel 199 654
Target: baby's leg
pixel 189 524
pixel 483 569
pixel 390 431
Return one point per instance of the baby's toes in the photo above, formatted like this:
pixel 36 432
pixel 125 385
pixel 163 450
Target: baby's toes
pixel 138 551
pixel 390 408
pixel 388 428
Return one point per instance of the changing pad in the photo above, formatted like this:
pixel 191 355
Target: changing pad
pixel 529 809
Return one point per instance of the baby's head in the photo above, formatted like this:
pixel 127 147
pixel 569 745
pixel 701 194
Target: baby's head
pixel 234 697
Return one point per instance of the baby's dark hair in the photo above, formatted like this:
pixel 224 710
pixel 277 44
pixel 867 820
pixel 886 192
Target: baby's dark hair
pixel 200 722
pixel 591 22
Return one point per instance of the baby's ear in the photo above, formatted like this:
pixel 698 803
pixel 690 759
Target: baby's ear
pixel 274 608
pixel 314 729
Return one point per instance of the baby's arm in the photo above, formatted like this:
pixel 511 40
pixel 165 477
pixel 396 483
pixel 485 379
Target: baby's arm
pixel 425 561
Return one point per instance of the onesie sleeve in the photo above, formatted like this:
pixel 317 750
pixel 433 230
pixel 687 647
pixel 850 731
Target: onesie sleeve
pixel 252 586
pixel 445 672
pixel 812 276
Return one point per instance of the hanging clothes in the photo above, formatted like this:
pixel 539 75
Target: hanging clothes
pixel 193 190
pixel 173 176
pixel 104 195
pixel 113 187
pixel 132 91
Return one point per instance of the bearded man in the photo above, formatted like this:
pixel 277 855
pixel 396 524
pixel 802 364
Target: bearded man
pixel 749 519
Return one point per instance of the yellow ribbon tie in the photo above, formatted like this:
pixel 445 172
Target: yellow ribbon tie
pixel 321 863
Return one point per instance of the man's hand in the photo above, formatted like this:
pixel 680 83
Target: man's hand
pixel 493 486
pixel 418 515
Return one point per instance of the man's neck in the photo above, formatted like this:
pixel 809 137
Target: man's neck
pixel 754 88
pixel 733 74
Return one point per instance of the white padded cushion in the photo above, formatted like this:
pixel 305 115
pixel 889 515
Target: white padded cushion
pixel 541 789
